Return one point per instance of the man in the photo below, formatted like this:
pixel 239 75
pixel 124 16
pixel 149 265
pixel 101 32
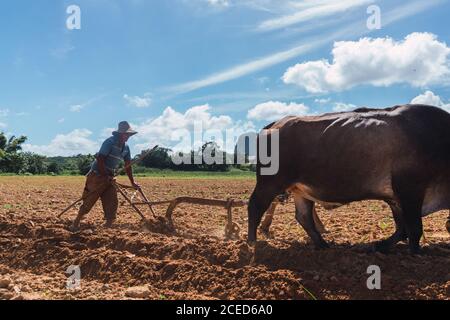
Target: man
pixel 100 180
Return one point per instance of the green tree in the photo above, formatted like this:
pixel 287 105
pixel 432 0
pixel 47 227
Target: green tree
pixel 15 144
pixel 84 163
pixel 54 167
pixel 12 163
pixel 212 149
pixel 34 163
pixel 3 142
pixel 159 159
pixel 10 159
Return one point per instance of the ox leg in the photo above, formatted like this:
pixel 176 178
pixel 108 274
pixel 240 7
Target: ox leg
pixel 400 232
pixel 268 220
pixel 260 201
pixel 410 194
pixel 305 216
pixel 318 223
pixel 413 225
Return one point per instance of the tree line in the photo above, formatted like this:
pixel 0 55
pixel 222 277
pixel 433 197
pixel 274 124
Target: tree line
pixel 14 160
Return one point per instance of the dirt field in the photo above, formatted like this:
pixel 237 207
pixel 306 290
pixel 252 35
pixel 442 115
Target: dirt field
pixel 36 248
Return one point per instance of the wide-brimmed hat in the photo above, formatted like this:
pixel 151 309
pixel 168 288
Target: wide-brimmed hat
pixel 124 127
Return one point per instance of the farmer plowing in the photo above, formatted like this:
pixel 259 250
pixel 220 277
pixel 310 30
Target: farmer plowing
pixel 101 184
pixel 100 181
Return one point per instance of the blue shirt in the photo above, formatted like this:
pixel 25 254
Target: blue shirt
pixel 113 154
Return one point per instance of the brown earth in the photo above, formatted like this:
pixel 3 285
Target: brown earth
pixel 36 249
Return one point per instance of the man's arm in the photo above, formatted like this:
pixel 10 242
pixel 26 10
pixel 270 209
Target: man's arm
pixel 101 157
pixel 129 171
pixel 101 165
pixel 129 168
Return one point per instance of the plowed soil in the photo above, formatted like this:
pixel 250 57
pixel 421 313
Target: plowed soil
pixel 196 262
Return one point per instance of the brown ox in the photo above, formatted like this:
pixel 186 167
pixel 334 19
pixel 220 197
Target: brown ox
pixel 399 155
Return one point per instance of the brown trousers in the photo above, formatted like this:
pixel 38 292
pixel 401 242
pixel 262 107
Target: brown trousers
pixel 99 188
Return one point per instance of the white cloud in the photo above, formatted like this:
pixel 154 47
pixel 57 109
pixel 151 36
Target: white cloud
pixel 4 112
pixel 156 131
pixel 63 51
pixel 275 110
pixel 76 142
pixel 164 129
pixel 76 108
pixel 81 106
pixel 318 10
pixel 263 80
pixel 281 8
pixel 207 6
pixel 107 132
pixel 419 60
pixel 219 3
pixel 258 64
pixel 61 120
pixel 22 114
pixel 247 68
pixel 322 101
pixel 429 98
pixel 138 102
pixel 342 107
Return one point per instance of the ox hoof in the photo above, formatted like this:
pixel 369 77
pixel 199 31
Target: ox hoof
pixel 416 251
pixel 267 234
pixel 74 228
pixel 321 245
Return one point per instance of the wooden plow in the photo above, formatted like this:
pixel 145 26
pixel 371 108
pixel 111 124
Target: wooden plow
pixel 232 230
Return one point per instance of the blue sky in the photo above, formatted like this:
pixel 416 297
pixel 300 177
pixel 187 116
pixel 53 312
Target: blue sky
pixel 231 64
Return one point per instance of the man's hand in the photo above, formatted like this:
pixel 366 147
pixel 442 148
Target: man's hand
pixel 129 171
pixel 135 185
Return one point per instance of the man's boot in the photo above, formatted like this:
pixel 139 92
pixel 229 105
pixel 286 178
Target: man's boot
pixel 76 223
pixel 109 224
